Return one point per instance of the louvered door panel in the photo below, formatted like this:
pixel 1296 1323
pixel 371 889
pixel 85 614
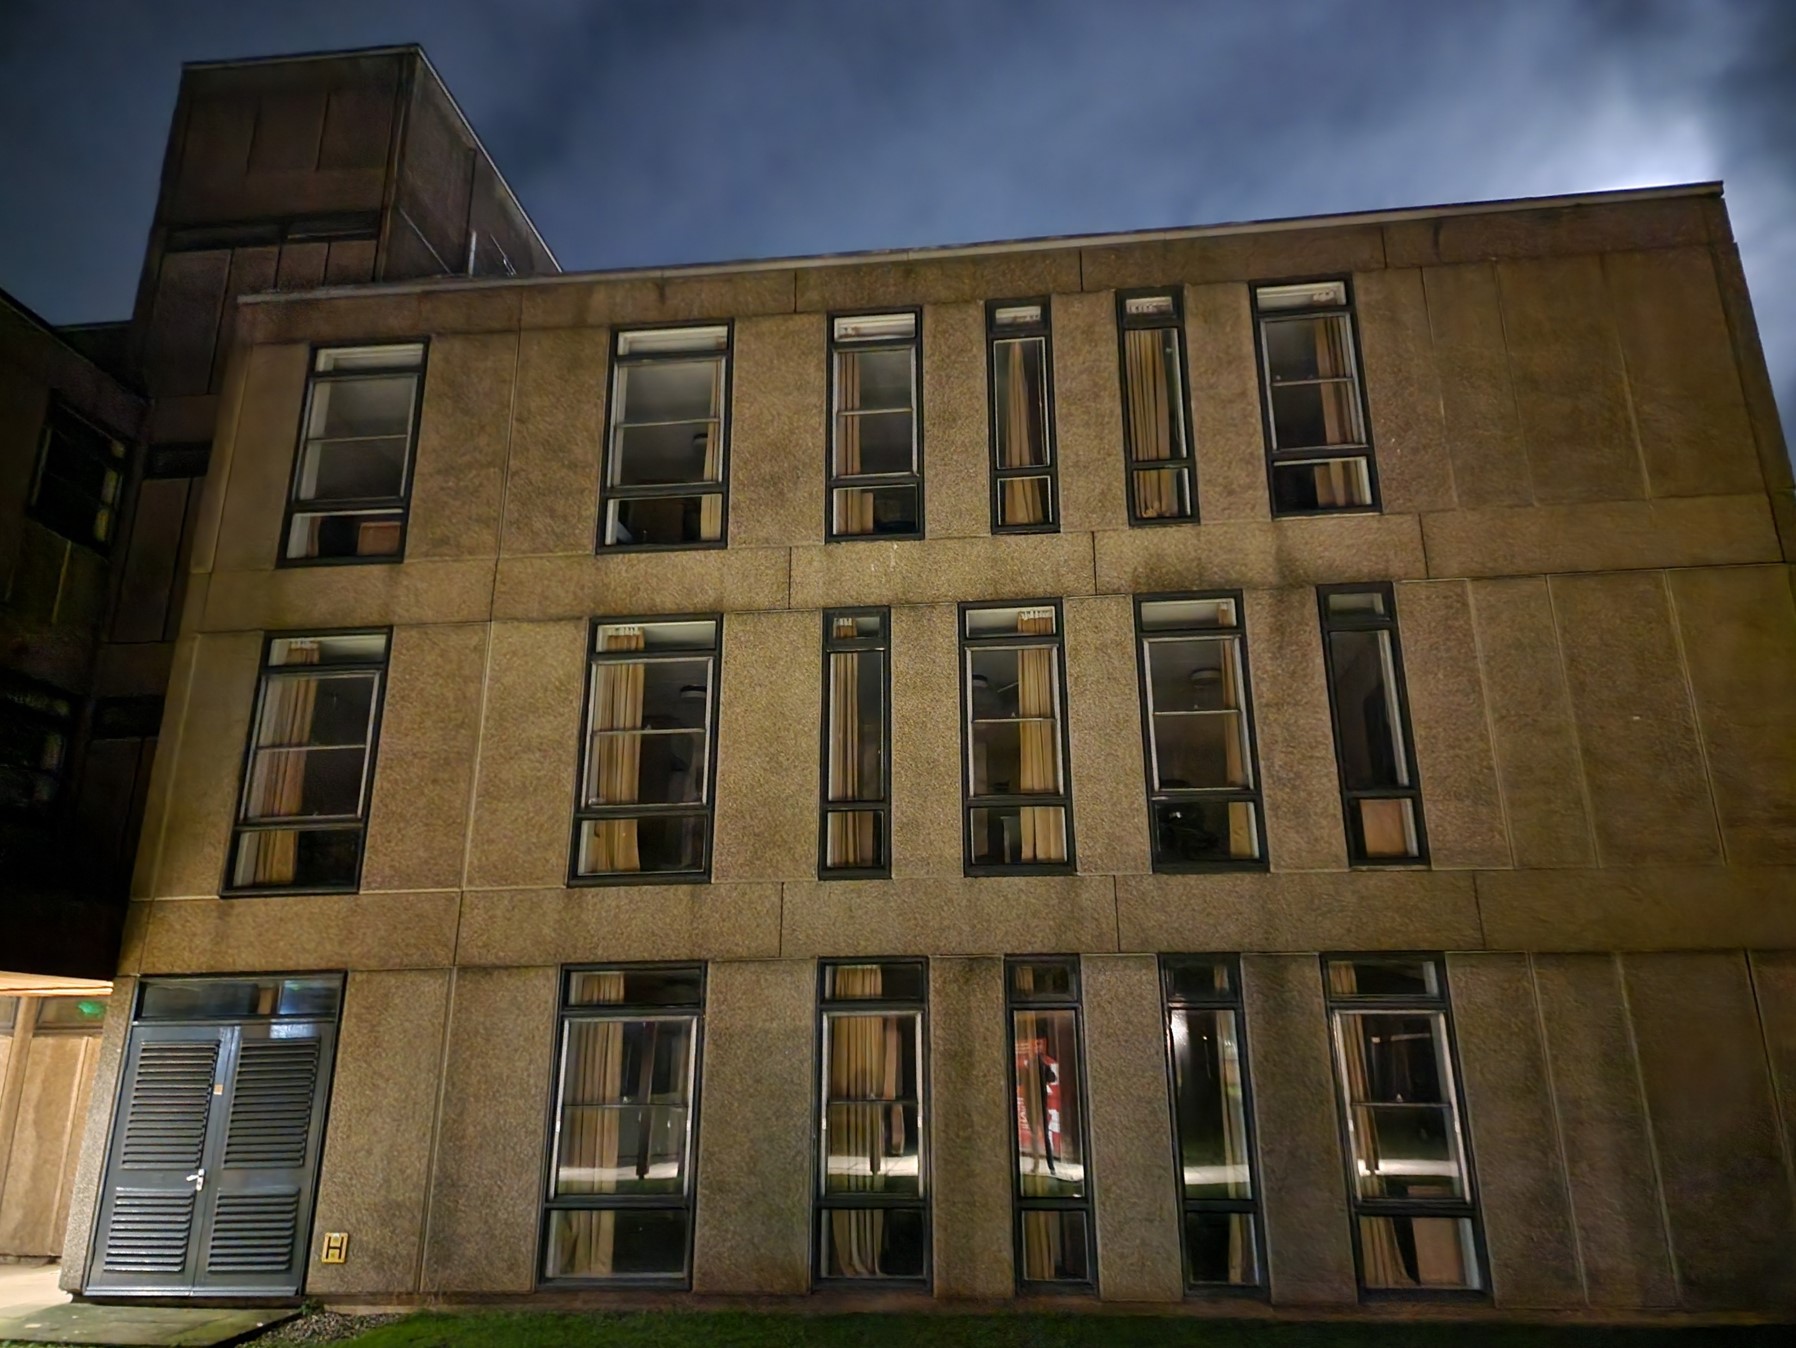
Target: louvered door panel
pixel 271 1105
pixel 149 1232
pixel 253 1232
pixel 165 1123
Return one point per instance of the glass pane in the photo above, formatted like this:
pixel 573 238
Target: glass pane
pixel 9 1014
pixel 1316 416
pixel 1193 674
pixel 672 452
pixel 359 533
pixel 1417 1252
pixel 873 380
pixel 288 858
pixel 856 726
pixel 1327 484
pixel 1383 978
pixel 1033 979
pixel 856 626
pixel 1384 828
pixel 334 649
pixel 854 839
pixel 660 694
pixel 1020 402
pixel 669 391
pixel 652 987
pixel 874 442
pixel 1055 1247
pixel 1367 719
pixel 408 355
pixel 1304 295
pixel 873 327
pixel 309 997
pixel 361 407
pixel 1157 614
pixel 1161 493
pixel 857 511
pixel 344 470
pixel 870 1243
pixel 897 982
pixel 1200 749
pixel 659 521
pixel 1018 835
pixel 1219 1248
pixel 651 340
pixel 1401 1114
pixel 1313 346
pixel 699 634
pixel 1154 392
pixel 1050 1114
pixel 871 1149
pixel 1010 621
pixel 200 999
pixel 651 844
pixel 305 783
pixel 1356 604
pixel 625 1092
pixel 1210 1112
pixel 616 1243
pixel 316 710
pixel 632 767
pixel 68 1013
pixel 1025 501
pixel 1198 979
pixel 1196 830
pixel 1015 740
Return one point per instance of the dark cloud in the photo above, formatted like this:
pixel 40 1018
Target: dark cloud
pixel 694 130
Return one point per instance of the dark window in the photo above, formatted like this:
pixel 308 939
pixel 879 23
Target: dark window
pixel 1156 412
pixel 1213 1123
pixel 873 1166
pixel 80 475
pixel 1018 797
pixel 619 1196
pixel 239 998
pixel 857 732
pixel 1203 789
pixel 70 1015
pixel 646 769
pixel 303 812
pixel 1025 492
pixel 37 724
pixel 1409 1176
pixel 1054 1234
pixel 665 470
pixel 352 478
pixel 876 446
pixel 1316 439
pixel 1380 798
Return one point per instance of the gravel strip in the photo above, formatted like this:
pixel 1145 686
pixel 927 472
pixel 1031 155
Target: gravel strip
pixel 319 1327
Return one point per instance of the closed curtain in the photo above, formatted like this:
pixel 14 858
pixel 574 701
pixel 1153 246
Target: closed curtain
pixel 865 1061
pixel 616 772
pixel 1242 835
pixel 1151 413
pixel 1043 826
pixel 852 834
pixel 277 787
pixel 1044 1236
pixel 710 510
pixel 1020 499
pixel 852 506
pixel 1337 484
pixel 592 1090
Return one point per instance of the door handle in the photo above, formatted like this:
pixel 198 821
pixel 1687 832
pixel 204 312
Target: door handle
pixel 198 1180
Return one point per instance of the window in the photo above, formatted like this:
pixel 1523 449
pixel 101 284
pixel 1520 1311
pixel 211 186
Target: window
pixel 304 806
pixel 876 454
pixel 664 463
pixel 1018 802
pixel 1319 452
pixel 353 476
pixel 857 736
pixel 619 1197
pixel 1156 413
pixel 37 724
pixel 1053 1195
pixel 872 1176
pixel 1410 1181
pixel 1212 1121
pixel 80 475
pixel 1024 475
pixel 644 809
pixel 1202 779
pixel 1379 795
pixel 70 1015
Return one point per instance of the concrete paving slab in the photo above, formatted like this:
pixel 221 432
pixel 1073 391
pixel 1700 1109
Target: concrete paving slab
pixel 138 1326
pixel 29 1287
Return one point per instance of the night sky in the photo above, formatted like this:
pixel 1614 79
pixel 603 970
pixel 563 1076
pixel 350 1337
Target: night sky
pixel 672 131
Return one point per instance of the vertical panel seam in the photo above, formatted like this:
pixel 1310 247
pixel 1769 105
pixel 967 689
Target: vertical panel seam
pixel 1515 403
pixel 1702 746
pixel 1646 1113
pixel 1440 398
pixel 426 1211
pixel 1571 707
pixel 1777 1099
pixel 1546 1059
pixel 1490 727
pixel 1627 380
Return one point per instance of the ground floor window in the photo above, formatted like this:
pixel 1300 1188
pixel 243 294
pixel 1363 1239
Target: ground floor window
pixel 1053 1188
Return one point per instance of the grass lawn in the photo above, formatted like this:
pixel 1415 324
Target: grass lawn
pixel 718 1329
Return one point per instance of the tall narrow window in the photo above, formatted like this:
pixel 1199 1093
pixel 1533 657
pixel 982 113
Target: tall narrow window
pixel 80 476
pixel 664 461
pixel 619 1197
pixel 1215 1134
pixel 1380 798
pixel 37 724
pixel 304 807
pixel 1024 499
pixel 1156 413
pixel 1203 784
pixel 857 733
pixel 873 1166
pixel 876 454
pixel 352 479
pixel 1321 455
pixel 1053 1192
pixel 644 811
pixel 1409 1178
pixel 1018 802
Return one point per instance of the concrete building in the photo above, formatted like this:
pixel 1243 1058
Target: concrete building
pixel 1242 761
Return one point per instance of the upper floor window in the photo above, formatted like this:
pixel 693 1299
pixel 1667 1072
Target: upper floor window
pixel 352 480
pixel 37 723
pixel 80 476
pixel 1024 473
pixel 1320 453
pixel 1156 413
pixel 304 805
pixel 876 448
pixel 857 732
pixel 664 462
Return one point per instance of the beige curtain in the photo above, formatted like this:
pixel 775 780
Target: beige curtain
pixel 852 507
pixel 585 1241
pixel 1150 423
pixel 710 510
pixel 614 776
pixel 375 538
pixel 1044 1237
pixel 1385 824
pixel 1243 838
pixel 277 786
pixel 852 838
pixel 865 1058
pixel 1043 826
pixel 1019 499
pixel 1337 484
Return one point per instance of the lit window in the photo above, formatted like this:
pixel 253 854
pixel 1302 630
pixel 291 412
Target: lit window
pixel 1053 1189
pixel 1156 417
pixel 664 465
pixel 876 451
pixel 1024 473
pixel 1316 435
pixel 857 733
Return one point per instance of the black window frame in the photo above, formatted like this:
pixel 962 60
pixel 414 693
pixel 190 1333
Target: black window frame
pixel 58 412
pixel 1313 454
pixel 402 503
pixel 688 1202
pixel 1349 796
pixel 832 482
pixel 53 712
pixel 1126 323
pixel 617 361
pixel 970 802
pixel 708 807
pixel 882 808
pixel 1041 329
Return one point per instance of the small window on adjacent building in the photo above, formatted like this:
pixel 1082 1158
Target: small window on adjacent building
pixel 619 1197
pixel 1156 415
pixel 644 811
pixel 1379 793
pixel 352 481
pixel 70 1015
pixel 1053 1192
pixel 665 460
pixel 79 479
pixel 1217 1185
pixel 1018 801
pixel 1320 452
pixel 1202 777
pixel 304 807
pixel 1408 1177
pixel 1024 473
pixel 873 1166
pixel 876 449
pixel 37 724
pixel 857 733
